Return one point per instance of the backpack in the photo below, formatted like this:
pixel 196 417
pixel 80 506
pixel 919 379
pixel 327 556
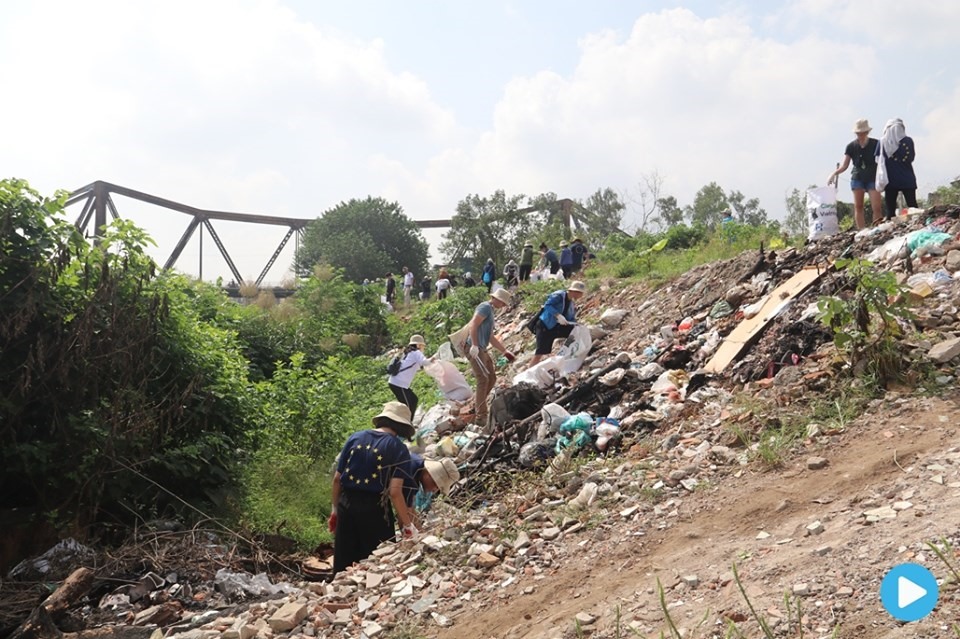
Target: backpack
pixel 395 365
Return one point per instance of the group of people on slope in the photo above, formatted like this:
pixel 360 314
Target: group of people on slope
pixel 884 165
pixel 444 283
pixel 571 260
pixel 378 481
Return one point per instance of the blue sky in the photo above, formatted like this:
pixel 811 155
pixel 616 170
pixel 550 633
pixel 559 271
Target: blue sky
pixel 289 107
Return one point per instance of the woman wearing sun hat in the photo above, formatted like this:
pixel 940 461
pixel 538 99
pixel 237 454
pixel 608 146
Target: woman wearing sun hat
pixel 368 480
pixel 557 318
pixel 862 154
pixel 411 361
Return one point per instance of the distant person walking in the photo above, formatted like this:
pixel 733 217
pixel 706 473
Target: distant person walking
pixel 897 154
pixel 480 338
pixel 566 260
pixel 580 253
pixel 511 274
pixel 489 275
pixel 548 257
pixel 368 480
pixel 468 281
pixel 411 361
pixel 391 292
pixel 407 285
pixel 526 261
pixel 426 288
pixel 862 154
pixel 557 318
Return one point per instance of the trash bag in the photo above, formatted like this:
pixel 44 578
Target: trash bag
pixel 575 349
pixel 551 415
pixel 607 429
pixel 451 381
pixel 533 454
pixel 822 212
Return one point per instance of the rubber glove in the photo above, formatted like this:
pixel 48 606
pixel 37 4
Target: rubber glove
pixel 410 532
pixel 510 356
pixel 474 351
pixel 562 321
pixel 332 522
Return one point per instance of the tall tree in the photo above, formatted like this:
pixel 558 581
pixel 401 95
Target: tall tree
pixel 796 222
pixel 494 227
pixel 648 203
pixel 709 206
pixel 670 212
pixel 605 210
pixel 746 212
pixel 365 238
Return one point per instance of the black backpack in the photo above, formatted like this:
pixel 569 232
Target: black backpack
pixel 394 367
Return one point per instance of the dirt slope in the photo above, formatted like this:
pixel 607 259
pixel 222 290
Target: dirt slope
pixel 883 457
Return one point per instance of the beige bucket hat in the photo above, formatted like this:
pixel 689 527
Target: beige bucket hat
pixel 418 340
pixel 398 413
pixel 861 126
pixel 577 285
pixel 503 295
pixel 444 473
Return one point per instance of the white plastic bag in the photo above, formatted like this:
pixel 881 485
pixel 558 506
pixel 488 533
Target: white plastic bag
pixel 822 212
pixel 451 381
pixel 551 415
pixel 575 349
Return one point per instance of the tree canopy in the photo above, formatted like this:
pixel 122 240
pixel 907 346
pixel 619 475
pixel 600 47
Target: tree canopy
pixel 364 238
pixel 493 227
pixel 711 205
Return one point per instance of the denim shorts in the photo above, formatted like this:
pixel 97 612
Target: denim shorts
pixel 860 184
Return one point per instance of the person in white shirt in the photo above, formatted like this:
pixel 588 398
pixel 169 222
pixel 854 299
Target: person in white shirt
pixel 412 360
pixel 407 285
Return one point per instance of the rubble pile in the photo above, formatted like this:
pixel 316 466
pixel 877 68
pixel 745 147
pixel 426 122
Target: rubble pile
pixel 612 440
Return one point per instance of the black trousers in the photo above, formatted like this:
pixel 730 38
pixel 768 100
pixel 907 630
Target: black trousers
pixel 406 396
pixel 364 521
pixel 525 272
pixel 890 199
pixel 546 336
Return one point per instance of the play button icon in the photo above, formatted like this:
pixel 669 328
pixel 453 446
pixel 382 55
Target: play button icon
pixel 909 592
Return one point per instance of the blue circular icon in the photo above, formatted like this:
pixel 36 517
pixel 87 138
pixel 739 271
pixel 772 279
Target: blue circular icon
pixel 909 592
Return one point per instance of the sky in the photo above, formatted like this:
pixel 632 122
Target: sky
pixel 290 107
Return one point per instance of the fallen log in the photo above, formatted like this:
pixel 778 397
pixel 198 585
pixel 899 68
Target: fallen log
pixel 41 622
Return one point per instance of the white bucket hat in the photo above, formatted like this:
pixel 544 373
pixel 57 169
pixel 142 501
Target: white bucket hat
pixel 444 473
pixel 418 340
pixel 861 126
pixel 503 295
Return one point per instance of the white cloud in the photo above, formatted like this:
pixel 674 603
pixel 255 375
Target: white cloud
pixel 918 22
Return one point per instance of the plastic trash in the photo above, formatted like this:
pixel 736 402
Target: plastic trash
pixel 607 429
pixel 586 496
pixel 237 585
pixel 451 381
pixel 613 377
pixel 551 416
pixel 685 325
pixel 650 371
pixel 822 212
pixel 533 454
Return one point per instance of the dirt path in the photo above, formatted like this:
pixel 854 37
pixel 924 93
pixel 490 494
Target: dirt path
pixel 906 454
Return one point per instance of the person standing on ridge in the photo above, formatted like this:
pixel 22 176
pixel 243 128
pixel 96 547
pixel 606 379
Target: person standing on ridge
pixel 391 292
pixel 897 153
pixel 411 361
pixel 579 252
pixel 511 274
pixel 489 275
pixel 566 260
pixel 526 261
pixel 368 480
pixel 407 285
pixel 862 154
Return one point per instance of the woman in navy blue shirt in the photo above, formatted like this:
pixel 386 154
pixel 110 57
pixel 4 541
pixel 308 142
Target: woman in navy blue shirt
pixel 897 151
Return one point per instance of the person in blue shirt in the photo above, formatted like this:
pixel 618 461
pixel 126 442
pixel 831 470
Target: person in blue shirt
pixel 424 478
pixel 566 260
pixel 557 318
pixel 579 251
pixel 480 337
pixel 489 274
pixel 368 480
pixel 549 257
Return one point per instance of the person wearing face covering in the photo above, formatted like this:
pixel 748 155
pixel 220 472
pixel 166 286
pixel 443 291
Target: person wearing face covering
pixel 895 156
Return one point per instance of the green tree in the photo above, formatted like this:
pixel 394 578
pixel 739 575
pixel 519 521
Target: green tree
pixel 796 221
pixel 602 214
pixel 670 212
pixel 746 212
pixel 494 227
pixel 709 206
pixel 364 238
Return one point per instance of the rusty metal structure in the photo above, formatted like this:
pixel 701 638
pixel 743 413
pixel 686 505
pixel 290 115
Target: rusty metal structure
pixel 98 202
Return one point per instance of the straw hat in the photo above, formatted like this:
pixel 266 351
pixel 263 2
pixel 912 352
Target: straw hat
pixel 444 473
pixel 530 244
pixel 563 243
pixel 503 295
pixel 578 286
pixel 399 415
pixel 418 340
pixel 861 126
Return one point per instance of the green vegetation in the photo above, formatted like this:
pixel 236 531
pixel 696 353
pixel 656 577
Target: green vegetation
pixel 657 257
pixel 865 317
